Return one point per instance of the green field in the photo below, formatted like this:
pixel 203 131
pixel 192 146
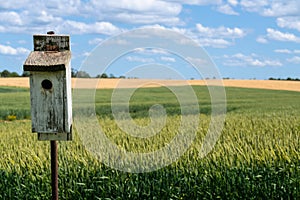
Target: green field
pixel 256 157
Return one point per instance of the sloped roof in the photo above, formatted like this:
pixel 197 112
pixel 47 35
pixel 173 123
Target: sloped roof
pixel 47 61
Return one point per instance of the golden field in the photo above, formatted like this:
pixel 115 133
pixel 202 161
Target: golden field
pixel 132 83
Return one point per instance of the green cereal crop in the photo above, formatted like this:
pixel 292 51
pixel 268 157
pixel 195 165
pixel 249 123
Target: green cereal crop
pixel 256 157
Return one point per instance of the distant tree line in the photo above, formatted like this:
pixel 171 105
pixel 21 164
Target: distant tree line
pixel 74 73
pixel 84 74
pixel 287 79
pixel 6 73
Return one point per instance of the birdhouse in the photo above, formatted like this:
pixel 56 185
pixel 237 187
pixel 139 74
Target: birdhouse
pixel 50 87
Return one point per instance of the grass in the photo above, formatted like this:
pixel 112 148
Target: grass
pixel 14 102
pixel 256 157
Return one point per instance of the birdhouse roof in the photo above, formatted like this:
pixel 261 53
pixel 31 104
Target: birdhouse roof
pixel 47 61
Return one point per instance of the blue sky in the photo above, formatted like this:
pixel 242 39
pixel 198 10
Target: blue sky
pixel 245 38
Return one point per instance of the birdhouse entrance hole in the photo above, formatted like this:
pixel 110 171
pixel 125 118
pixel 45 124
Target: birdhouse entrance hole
pixel 47 84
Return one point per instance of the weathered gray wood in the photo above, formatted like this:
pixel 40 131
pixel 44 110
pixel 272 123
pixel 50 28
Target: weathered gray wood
pixel 55 136
pixel 50 108
pixel 51 103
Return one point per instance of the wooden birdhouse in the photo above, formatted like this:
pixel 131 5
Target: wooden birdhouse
pixel 50 87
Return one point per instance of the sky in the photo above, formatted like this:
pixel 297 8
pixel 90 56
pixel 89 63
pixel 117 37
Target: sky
pixel 246 39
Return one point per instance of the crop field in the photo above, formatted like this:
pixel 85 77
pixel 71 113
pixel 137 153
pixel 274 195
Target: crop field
pixel 256 157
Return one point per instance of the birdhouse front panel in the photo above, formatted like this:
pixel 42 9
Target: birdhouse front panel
pixel 48 102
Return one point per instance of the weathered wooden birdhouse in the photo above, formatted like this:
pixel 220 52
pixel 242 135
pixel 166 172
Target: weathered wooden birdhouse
pixel 50 87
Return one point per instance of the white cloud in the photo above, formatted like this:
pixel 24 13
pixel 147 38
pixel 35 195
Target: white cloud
pixel 194 37
pixel 261 39
pixel 227 9
pixel 145 6
pixel 139 59
pixel 253 60
pixel 212 42
pixel 215 37
pixel 168 59
pixel 289 22
pixel 272 8
pixel 117 41
pixel 285 51
pixel 282 8
pixel 63 7
pixel 44 15
pixel 147 19
pixel 136 11
pixel 86 54
pixel 8 50
pixel 151 51
pixel 222 32
pixel 75 27
pixel 254 5
pixel 233 2
pixel 12 18
pixel 198 61
pixel 206 36
pixel 14 5
pixel 280 36
pixel 44 18
pixel 25 21
pixel 197 2
pixel 295 60
pixel 95 41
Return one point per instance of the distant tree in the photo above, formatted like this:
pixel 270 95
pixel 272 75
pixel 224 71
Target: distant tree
pixel 25 74
pixel 111 76
pixel 14 74
pixel 122 76
pixel 103 75
pixel 82 74
pixel 5 73
pixel 73 72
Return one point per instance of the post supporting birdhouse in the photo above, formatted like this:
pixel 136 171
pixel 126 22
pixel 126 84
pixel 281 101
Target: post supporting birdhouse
pixel 50 93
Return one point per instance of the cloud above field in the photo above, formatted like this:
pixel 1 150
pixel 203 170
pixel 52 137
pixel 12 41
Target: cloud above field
pixel 252 60
pixel 8 50
pixel 139 59
pixel 295 59
pixel 287 51
pixel 282 36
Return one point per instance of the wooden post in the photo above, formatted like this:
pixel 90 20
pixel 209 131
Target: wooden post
pixel 54 169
